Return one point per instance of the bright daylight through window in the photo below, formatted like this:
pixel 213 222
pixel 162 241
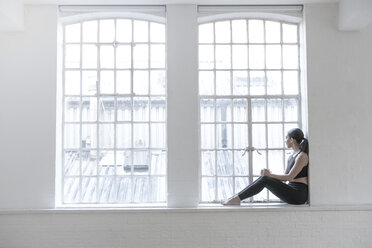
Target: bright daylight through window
pixel 249 88
pixel 114 112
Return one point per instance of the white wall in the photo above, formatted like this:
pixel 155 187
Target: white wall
pixel 339 126
pixel 27 111
pixel 340 119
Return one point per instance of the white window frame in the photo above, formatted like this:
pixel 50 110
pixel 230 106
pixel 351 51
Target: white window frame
pixel 79 14
pixel 213 14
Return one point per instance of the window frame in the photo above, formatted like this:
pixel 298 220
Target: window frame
pixel 60 149
pixel 300 97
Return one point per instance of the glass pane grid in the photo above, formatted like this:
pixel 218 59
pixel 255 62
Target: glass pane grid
pixel 114 113
pixel 254 61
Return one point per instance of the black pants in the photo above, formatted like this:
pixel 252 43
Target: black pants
pixel 292 193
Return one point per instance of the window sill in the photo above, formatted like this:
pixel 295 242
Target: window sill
pixel 206 208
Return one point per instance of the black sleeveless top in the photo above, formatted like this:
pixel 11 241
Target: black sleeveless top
pixel 303 172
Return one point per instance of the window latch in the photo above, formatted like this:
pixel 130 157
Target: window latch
pixel 250 149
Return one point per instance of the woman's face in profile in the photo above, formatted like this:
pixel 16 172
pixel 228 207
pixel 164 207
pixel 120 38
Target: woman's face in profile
pixel 288 141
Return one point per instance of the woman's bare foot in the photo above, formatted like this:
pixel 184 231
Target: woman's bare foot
pixel 235 200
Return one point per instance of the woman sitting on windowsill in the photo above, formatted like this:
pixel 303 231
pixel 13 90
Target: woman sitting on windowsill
pixel 296 191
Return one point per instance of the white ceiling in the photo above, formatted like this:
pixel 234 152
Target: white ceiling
pixel 354 15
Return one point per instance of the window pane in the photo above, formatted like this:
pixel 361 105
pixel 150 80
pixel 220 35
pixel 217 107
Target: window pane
pixel 89 163
pixel 106 31
pixel 206 33
pixel 89 81
pixel 107 190
pixel 158 162
pixel 241 163
pixel 72 163
pixel 106 163
pixel 239 31
pixel 225 188
pixel 272 32
pixel 107 56
pixel 123 135
pixel 224 136
pixel 158 186
pixel 274 79
pixel 223 110
pixel 223 83
pixel 291 110
pixel 157 82
pixel 158 109
pixel 206 83
pixel 107 109
pixel 141 162
pixel 89 108
pixel 89 136
pixel 275 135
pixel 72 136
pixel 206 110
pixel 123 30
pixel 289 33
pixel 224 163
pixel 240 58
pixel 140 108
pixel 222 32
pixel 240 83
pixel 274 110
pixel 72 33
pixel 141 189
pixel 107 83
pixel 90 32
pixel 256 57
pixel 72 109
pixel 141 82
pixel 223 57
pixel 207 136
pixel 257 82
pixel 141 135
pixel 158 131
pixel 106 135
pixel 124 189
pixel 157 32
pixel 72 56
pixel 141 56
pixel 290 57
pixel 208 189
pixel 89 190
pixel 72 82
pixel 208 163
pixel 157 56
pixel 123 56
pixel 124 109
pixel 240 136
pixel 259 135
pixel 290 82
pixel 141 31
pixel 71 190
pixel 89 56
pixel 273 57
pixel 123 82
pixel 123 163
pixel 206 56
pixel 240 113
pixel 256 31
pixel 258 110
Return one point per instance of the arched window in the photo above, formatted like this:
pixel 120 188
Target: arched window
pixel 250 95
pixel 113 112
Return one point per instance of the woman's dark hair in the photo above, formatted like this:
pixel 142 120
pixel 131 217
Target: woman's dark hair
pixel 298 135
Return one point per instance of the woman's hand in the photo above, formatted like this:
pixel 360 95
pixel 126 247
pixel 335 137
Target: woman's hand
pixel 265 172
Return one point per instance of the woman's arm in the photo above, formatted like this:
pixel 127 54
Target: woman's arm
pixel 301 162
